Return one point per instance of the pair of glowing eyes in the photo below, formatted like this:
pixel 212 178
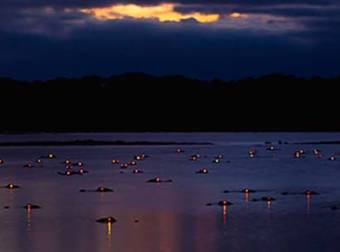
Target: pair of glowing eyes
pixel 195 157
pixel 140 157
pixel 67 162
pixel 68 173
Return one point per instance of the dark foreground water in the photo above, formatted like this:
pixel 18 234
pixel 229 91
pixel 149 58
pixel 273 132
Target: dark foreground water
pixel 172 216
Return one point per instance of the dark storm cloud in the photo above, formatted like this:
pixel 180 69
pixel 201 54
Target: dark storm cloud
pixel 128 46
pixel 286 10
pixel 81 3
pixel 295 11
pixel 11 6
pixel 45 39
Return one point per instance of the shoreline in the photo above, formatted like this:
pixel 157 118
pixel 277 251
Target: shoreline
pixel 96 143
pixel 317 143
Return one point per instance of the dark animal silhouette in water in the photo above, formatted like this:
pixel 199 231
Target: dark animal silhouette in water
pixel 220 203
pixel 30 206
pixel 267 199
pixel 306 192
pixel 71 173
pixel 137 171
pixel 29 165
pixel 107 220
pixel 99 189
pixel 158 180
pixel 245 190
pixel 202 171
pixel 10 186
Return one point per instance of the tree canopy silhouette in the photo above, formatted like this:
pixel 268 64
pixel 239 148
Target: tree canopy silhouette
pixel 140 102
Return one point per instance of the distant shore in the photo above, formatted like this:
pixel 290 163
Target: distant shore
pixel 96 143
pixel 317 142
pixel 133 143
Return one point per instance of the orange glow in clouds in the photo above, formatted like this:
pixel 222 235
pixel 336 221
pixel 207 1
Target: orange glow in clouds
pixel 162 13
pixel 235 15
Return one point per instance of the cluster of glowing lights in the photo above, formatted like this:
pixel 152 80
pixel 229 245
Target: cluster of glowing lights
pixel 164 12
pixel 316 152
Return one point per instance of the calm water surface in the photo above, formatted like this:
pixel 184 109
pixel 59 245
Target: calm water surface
pixel 172 216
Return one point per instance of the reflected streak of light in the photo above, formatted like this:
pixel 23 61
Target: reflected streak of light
pixel 269 204
pixel 109 229
pixel 163 12
pixel 109 232
pixel 309 203
pixel 29 218
pixel 225 214
pixel 246 197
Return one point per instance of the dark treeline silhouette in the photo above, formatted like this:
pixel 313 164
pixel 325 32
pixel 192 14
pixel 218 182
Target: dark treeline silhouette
pixel 140 102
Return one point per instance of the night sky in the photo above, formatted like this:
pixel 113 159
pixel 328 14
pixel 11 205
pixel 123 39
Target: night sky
pixel 41 39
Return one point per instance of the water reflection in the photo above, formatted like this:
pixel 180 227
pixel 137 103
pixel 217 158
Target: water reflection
pixel 29 217
pixel 172 216
pixel 309 203
pixel 109 232
pixel 269 204
pixel 246 197
pixel 225 214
